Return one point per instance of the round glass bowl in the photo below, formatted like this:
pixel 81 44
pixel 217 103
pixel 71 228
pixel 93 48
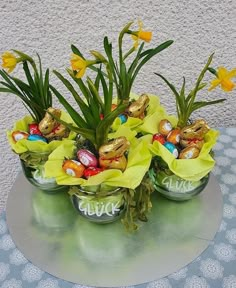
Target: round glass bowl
pixel 32 164
pixel 100 204
pixel 174 187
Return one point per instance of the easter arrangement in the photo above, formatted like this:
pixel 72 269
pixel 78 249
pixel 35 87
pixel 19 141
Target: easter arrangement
pixel 111 149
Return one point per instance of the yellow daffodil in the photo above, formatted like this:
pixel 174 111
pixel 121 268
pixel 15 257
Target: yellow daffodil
pixel 78 64
pixel 9 61
pixel 224 79
pixel 141 35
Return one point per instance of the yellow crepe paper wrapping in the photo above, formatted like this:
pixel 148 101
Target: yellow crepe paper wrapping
pixel 145 125
pixel 139 158
pixel 25 145
pixel 189 169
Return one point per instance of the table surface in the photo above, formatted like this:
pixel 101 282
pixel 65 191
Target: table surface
pixel 215 267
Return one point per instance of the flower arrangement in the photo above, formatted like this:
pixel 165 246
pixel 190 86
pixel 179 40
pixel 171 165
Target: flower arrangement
pixel 114 148
pixel 183 151
pixel 35 136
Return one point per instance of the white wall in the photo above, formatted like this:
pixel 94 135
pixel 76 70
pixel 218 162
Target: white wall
pixel 199 27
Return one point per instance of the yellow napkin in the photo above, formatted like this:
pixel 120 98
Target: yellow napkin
pixel 189 169
pixel 25 145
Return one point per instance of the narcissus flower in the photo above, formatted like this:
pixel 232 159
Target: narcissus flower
pixel 224 79
pixel 9 61
pixel 141 35
pixel 78 64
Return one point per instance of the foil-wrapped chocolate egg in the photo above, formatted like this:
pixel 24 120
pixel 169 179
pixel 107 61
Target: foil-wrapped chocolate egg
pixel 113 107
pixel 122 118
pixel 87 158
pixel 171 147
pixel 164 127
pixel 174 136
pixel 159 138
pixel 18 135
pixel 73 168
pixel 34 129
pixel 36 137
pixel 190 152
pixel 91 171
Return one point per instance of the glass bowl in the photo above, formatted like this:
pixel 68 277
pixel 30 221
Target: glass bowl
pixel 100 204
pixel 175 188
pixel 32 164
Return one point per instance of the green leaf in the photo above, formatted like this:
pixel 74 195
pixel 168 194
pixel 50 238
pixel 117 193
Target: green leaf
pixel 155 51
pixel 79 121
pixel 200 104
pixel 104 125
pixel 76 51
pixel 83 107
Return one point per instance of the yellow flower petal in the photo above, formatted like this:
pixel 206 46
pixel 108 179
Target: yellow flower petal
pixel 224 79
pixel 145 35
pixel 9 61
pixel 79 65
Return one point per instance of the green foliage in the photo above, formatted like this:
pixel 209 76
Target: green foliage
pixel 34 93
pixel 186 104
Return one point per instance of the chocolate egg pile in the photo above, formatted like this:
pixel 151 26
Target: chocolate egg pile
pixel 88 162
pixel 185 143
pixel 34 134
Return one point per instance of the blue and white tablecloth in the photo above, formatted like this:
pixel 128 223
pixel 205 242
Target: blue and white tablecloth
pixel 216 266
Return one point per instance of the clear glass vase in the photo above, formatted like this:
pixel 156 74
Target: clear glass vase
pixel 175 188
pixel 100 204
pixel 32 164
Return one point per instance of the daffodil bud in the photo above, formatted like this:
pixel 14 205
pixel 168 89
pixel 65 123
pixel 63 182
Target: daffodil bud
pixel 98 56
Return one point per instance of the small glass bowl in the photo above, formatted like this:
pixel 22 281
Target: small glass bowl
pixel 100 204
pixel 175 188
pixel 32 164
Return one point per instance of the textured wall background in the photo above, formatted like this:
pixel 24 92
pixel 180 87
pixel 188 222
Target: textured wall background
pixel 199 27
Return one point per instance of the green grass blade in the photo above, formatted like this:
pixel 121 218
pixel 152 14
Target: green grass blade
pixel 155 51
pixel 79 121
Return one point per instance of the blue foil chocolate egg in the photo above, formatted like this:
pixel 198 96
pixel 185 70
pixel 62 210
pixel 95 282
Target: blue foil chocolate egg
pixel 171 147
pixel 123 118
pixel 36 137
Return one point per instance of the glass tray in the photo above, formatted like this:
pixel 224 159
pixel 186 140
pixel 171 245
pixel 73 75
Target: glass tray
pixel 55 238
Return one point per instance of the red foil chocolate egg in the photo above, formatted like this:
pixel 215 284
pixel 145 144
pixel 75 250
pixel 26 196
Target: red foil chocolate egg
pixel 73 168
pixel 159 138
pixel 18 135
pixel 164 127
pixel 174 136
pixel 34 129
pixel 87 158
pixel 91 171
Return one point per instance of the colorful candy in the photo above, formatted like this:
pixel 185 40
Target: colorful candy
pixel 18 135
pixel 171 147
pixel 87 158
pixel 164 127
pixel 189 153
pixel 36 137
pixel 91 171
pixel 34 129
pixel 174 136
pixel 122 118
pixel 159 138
pixel 73 168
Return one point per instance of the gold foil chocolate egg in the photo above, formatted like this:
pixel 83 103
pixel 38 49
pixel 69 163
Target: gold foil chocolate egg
pixel 73 168
pixel 174 136
pixel 164 127
pixel 189 153
pixel 198 143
